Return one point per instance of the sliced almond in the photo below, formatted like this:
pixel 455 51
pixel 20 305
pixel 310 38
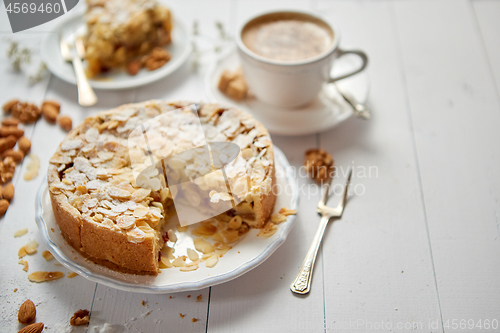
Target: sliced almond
pixel 268 230
pixel 286 211
pixel 205 229
pixel 165 263
pixel 40 276
pixel 278 218
pixel 31 247
pixel 47 255
pixel 22 252
pixel 21 232
pixel 136 235
pixel 32 167
pixel 192 254
pixel 203 246
pixel 230 236
pixel 189 268
pixel 212 261
pixel 25 263
pixel 179 262
pixel 72 275
pixel 171 236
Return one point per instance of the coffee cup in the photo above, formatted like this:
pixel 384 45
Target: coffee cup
pixel 287 56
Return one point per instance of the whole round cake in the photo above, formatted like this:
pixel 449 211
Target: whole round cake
pixel 117 178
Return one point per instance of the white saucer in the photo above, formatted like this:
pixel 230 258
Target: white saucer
pixel 326 111
pixel 180 49
pixel 245 255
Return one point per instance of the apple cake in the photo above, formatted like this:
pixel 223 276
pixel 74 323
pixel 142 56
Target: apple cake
pixel 120 30
pixel 112 197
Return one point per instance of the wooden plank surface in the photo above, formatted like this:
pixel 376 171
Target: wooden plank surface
pixel 486 14
pixel 455 114
pixel 377 263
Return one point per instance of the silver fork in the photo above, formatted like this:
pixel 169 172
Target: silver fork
pixel 302 283
pixel 72 50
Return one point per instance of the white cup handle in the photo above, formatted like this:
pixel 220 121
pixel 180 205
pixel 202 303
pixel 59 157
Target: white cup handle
pixel 360 54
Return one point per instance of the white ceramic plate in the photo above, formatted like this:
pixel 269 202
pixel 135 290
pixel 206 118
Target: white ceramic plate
pixel 245 255
pixel 326 111
pixel 180 49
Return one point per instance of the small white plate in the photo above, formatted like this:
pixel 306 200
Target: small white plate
pixel 326 111
pixel 180 49
pixel 245 255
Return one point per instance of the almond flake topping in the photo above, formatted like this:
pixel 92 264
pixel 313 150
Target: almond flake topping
pixel 125 222
pixel 92 134
pixel 136 235
pixel 141 211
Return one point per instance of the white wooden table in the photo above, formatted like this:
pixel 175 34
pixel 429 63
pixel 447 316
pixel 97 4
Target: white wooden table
pixel 418 251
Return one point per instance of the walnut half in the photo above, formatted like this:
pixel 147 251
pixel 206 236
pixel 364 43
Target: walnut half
pixel 319 165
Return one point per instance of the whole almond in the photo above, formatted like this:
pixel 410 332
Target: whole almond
pixel 8 192
pixel 9 121
pixel 11 130
pixel 65 123
pixel 7 143
pixel 4 205
pixel 53 104
pixel 27 312
pixel 8 106
pixel 50 113
pixel 16 155
pixel 133 67
pixel 1 191
pixel 24 144
pixel 33 328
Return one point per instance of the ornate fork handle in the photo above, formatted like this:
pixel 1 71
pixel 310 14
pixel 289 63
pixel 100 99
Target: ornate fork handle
pixel 302 283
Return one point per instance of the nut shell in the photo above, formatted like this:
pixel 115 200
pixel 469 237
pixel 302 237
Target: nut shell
pixel 7 107
pixel 65 122
pixel 7 143
pixel 26 112
pixel 8 192
pixel 24 144
pixel 50 113
pixel 53 104
pixel 133 67
pixel 4 205
pixel 17 155
pixel 27 312
pixel 9 121
pixel 6 131
pixel 33 328
pixel 80 318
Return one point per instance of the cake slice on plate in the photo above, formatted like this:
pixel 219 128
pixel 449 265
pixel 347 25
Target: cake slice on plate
pixel 120 30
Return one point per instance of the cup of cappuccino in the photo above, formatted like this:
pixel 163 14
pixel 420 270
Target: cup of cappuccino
pixel 287 56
